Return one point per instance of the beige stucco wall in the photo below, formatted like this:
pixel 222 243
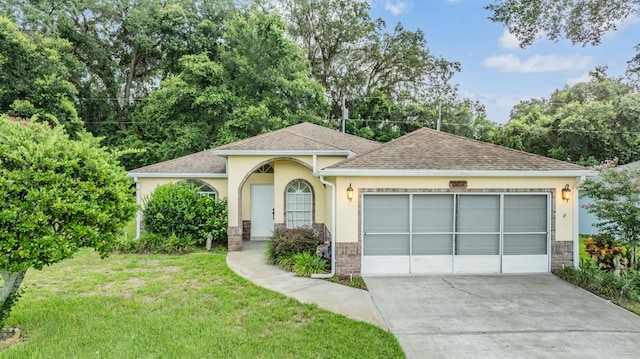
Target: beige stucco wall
pixel 286 168
pixel 348 212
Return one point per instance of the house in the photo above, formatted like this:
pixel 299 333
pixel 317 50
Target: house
pixel 427 202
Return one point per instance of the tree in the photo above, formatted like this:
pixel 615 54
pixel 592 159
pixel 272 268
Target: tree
pixel 34 79
pixel 354 56
pixel 126 47
pixel 257 82
pixel 58 195
pixel 585 123
pixel 580 21
pixel 616 203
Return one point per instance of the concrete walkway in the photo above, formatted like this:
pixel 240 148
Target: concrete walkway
pixel 353 303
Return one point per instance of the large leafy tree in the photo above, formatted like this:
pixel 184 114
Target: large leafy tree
pixel 257 81
pixel 585 123
pixel 58 195
pixel 35 78
pixel 126 46
pixel 357 58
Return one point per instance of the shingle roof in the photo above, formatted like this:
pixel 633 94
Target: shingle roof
pixel 201 162
pixel 304 136
pixel 427 149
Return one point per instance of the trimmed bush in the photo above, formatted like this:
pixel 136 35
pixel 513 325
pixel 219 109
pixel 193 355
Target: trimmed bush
pixel 290 241
pixel 178 209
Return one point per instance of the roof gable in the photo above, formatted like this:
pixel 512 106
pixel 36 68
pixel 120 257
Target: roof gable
pixel 427 149
pixel 198 163
pixel 303 137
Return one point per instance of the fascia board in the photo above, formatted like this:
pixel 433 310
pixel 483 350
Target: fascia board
pixel 449 173
pixel 177 175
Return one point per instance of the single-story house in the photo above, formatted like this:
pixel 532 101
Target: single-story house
pixel 427 202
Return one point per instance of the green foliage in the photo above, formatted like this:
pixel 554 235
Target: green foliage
pixel 57 194
pixel 605 284
pixel 153 243
pixel 8 304
pixel 583 22
pixel 585 124
pixel 35 79
pixel 258 82
pixel 616 203
pixel 178 209
pixel 287 241
pixel 287 261
pixel 306 264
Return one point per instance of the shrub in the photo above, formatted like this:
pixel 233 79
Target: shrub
pixel 156 243
pixel 607 253
pixel 287 262
pixel 178 209
pixel 293 240
pixel 306 263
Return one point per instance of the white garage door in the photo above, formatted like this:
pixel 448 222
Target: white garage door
pixel 455 233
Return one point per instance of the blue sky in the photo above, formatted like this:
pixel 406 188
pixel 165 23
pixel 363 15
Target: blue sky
pixel 495 70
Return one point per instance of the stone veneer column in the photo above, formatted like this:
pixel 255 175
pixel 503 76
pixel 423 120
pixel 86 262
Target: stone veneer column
pixel 234 239
pixel 348 259
pixel 561 254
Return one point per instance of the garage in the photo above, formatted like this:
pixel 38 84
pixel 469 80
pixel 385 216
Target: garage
pixel 440 233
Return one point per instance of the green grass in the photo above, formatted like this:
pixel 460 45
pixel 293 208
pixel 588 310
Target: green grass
pixel 191 306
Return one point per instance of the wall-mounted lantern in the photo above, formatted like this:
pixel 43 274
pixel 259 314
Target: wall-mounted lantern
pixel 566 193
pixel 350 192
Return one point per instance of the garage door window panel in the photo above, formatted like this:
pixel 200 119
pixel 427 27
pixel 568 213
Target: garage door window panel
pixel 432 224
pixel 478 225
pixel 386 230
pixel 525 225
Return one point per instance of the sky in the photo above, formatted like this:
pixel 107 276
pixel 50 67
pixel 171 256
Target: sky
pixel 495 70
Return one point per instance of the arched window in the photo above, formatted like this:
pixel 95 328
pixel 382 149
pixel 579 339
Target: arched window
pixel 299 204
pixel 204 188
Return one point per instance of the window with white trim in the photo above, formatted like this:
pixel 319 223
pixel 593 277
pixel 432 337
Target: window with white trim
pixel 299 204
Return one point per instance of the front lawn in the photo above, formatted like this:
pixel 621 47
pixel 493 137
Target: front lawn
pixel 191 306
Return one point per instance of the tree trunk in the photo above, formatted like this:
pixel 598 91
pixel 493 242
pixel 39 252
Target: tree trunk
pixel 12 282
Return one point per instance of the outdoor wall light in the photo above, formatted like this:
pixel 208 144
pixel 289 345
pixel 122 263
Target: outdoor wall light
pixel 350 192
pixel 566 193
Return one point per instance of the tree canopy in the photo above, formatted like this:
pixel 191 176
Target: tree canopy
pixel 586 123
pixel 34 78
pixel 258 81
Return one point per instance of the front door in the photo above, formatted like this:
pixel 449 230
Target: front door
pixel 261 211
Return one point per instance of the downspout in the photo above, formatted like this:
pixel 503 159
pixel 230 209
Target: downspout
pixel 333 224
pixel 138 212
pixel 576 223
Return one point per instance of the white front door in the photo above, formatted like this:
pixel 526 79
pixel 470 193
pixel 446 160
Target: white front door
pixel 261 211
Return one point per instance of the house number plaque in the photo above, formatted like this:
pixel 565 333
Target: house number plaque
pixel 457 184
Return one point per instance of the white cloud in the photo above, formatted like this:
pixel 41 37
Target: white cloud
pixel 509 40
pixel 538 63
pixel 397 7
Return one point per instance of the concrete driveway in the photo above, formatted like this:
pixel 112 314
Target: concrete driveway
pixel 503 316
